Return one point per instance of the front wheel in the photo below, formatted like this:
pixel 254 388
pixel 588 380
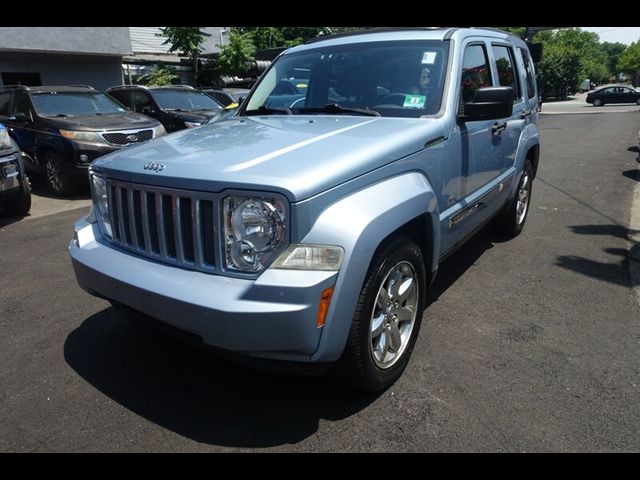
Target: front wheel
pixel 597 102
pixel 510 221
pixel 387 318
pixel 58 180
pixel 21 203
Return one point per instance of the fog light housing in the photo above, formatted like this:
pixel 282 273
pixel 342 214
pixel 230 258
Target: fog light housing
pixel 84 158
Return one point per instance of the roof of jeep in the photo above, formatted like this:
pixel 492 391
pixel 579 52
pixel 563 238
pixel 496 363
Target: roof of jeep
pixel 391 34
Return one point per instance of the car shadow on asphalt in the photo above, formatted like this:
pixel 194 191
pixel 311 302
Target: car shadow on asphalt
pixel 459 262
pixel 212 400
pixel 617 271
pixel 197 394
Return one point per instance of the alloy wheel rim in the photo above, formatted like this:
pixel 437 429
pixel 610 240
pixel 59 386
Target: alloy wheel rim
pixel 53 175
pixel 522 203
pixel 394 314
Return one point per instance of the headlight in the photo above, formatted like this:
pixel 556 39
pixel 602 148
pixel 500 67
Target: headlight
pixel 192 124
pixel 254 231
pixel 310 257
pixel 159 131
pixel 5 140
pixel 101 204
pixel 87 137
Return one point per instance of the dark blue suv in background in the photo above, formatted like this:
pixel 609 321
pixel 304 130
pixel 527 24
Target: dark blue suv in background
pixel 61 129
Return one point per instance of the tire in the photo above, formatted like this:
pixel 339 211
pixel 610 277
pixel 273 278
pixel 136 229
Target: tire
pixel 21 203
pixel 598 103
pixel 58 181
pixel 373 360
pixel 510 221
pixel 638 101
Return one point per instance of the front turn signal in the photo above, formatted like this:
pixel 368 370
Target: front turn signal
pixel 323 308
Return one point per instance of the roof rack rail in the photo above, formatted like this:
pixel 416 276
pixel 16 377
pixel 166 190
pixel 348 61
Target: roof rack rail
pixel 372 30
pixel 189 87
pixel 14 86
pixel 116 87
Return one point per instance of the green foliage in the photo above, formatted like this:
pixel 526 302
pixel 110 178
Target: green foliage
pixel 233 58
pixel 613 51
pixel 185 40
pixel 519 31
pixel 560 68
pixel 272 37
pixel 629 61
pixel 162 75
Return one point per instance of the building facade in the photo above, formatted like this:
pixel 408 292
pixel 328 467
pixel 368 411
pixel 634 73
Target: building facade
pixel 98 56
pixel 63 55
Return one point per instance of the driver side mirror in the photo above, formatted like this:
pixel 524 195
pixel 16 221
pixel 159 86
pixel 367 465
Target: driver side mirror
pixel 18 117
pixel 489 103
pixel 147 110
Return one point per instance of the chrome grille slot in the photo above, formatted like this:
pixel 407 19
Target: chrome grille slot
pixel 171 226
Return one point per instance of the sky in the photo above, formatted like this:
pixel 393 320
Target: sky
pixel 624 35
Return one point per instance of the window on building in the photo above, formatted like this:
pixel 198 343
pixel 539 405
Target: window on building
pixel 21 78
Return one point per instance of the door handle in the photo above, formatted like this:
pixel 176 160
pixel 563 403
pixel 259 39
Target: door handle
pixel 525 114
pixel 498 127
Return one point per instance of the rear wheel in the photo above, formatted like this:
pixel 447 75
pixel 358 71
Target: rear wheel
pixel 511 220
pixel 387 319
pixel 58 180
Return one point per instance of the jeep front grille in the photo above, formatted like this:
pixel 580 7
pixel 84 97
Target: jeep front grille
pixel 128 137
pixel 168 225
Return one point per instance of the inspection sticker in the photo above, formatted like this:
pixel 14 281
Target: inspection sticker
pixel 414 101
pixel 429 58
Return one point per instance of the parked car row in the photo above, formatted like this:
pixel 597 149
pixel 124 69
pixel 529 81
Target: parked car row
pixel 62 129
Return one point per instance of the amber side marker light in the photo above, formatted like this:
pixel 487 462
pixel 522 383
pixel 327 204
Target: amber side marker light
pixel 325 298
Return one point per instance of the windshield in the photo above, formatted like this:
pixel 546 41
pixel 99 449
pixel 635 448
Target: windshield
pixel 394 79
pixel 185 100
pixel 74 104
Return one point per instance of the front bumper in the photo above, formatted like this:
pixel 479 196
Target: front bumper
pixel 271 317
pixel 9 173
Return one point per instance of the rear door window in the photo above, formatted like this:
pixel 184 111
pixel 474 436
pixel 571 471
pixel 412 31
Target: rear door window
pixel 528 70
pixel 507 73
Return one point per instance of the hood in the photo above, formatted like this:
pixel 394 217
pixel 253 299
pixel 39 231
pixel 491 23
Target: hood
pixel 115 121
pixel 298 156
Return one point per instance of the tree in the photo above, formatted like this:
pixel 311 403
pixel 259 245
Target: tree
pixel 273 37
pixel 560 69
pixel 235 56
pixel 162 75
pixel 613 51
pixel 629 62
pixel 186 40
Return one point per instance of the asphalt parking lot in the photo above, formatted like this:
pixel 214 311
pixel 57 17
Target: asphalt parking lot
pixel 527 345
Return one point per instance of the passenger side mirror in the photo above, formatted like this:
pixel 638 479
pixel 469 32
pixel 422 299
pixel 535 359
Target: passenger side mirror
pixel 489 103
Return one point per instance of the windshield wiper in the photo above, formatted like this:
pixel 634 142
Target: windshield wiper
pixel 262 110
pixel 176 110
pixel 335 108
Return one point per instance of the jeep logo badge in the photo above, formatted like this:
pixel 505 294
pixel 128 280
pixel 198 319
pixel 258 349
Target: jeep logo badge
pixel 132 138
pixel 156 167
